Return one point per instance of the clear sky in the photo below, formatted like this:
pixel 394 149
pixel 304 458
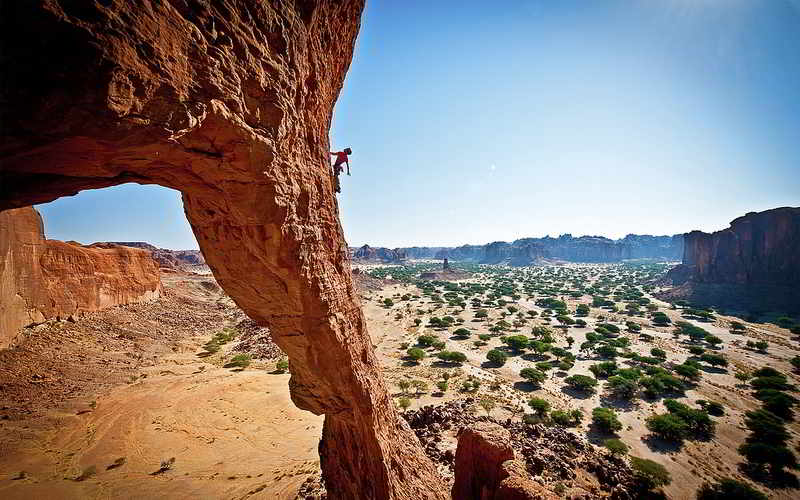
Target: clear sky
pixel 472 123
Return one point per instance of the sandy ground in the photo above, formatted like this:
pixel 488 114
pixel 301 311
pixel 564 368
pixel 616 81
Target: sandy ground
pixel 128 386
pixel 690 465
pixel 232 434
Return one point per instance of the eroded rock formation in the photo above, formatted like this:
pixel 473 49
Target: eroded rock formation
pixel 378 254
pixel 229 102
pixel 48 279
pixel 757 249
pixel 752 265
pixel 170 259
pixel 487 470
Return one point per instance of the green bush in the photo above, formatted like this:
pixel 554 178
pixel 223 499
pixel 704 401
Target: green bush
pixel 650 474
pixel 426 340
pixel 416 353
pixel 615 446
pixel 581 382
pixel 539 406
pixel 714 359
pixel 497 357
pixel 452 356
pixel 239 361
pixel 668 427
pixel 622 387
pixel 517 342
pixel 533 375
pixel 566 418
pixel 604 369
pixel 729 489
pixel 281 366
pixel 606 420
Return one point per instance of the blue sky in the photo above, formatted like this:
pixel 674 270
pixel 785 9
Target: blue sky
pixel 471 123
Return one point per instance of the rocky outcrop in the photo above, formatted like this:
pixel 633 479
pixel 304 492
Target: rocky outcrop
pixel 230 103
pixel 753 266
pixel 47 279
pixel 367 253
pixel 757 249
pixel 486 469
pixel 170 259
pixel 545 457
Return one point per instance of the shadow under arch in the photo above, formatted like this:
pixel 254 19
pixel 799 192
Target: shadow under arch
pixel 228 102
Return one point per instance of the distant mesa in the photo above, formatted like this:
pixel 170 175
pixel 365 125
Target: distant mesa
pixel 180 260
pixel 367 253
pixel 532 251
pixel 754 265
pixel 42 280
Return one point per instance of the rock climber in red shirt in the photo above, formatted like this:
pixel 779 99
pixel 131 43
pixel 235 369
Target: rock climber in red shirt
pixel 341 158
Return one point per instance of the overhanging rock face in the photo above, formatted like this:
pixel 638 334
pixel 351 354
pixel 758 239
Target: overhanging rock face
pixel 229 102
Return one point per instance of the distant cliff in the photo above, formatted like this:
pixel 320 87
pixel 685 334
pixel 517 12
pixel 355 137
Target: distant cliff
pixel 756 260
pixel 172 259
pixel 368 253
pixel 528 251
pixel 757 249
pixel 46 279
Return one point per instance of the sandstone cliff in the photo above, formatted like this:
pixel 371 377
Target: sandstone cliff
pixel 171 259
pixel 47 279
pixel 756 260
pixel 757 249
pixel 230 103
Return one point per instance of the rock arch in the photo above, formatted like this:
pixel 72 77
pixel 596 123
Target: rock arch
pixel 229 102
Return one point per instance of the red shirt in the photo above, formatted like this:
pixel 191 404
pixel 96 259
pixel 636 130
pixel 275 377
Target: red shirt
pixel 341 157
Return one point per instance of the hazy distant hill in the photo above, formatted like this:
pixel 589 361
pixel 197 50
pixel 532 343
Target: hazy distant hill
pixel 528 251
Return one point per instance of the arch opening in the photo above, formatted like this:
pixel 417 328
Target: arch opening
pixel 195 97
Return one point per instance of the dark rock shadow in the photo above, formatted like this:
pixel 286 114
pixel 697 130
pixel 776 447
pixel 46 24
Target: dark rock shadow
pixel 526 386
pixel 659 445
pixel 576 394
pixel 489 364
pixel 611 401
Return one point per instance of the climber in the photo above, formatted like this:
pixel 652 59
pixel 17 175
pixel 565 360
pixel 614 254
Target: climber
pixel 341 157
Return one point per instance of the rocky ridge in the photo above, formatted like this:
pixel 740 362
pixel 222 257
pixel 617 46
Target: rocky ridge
pixel 531 251
pixel 48 279
pixel 182 260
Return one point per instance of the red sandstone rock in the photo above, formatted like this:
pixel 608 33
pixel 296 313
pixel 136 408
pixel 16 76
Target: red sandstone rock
pixel 757 249
pixel 754 265
pixel 485 468
pixel 229 102
pixel 47 279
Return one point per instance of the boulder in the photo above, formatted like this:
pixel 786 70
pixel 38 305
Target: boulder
pixel 485 467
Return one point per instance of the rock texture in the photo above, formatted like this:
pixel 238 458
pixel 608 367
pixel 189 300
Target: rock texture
pixel 170 259
pixel 47 279
pixel 486 469
pixel 757 249
pixel 229 102
pixel 755 263
pixel 546 459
